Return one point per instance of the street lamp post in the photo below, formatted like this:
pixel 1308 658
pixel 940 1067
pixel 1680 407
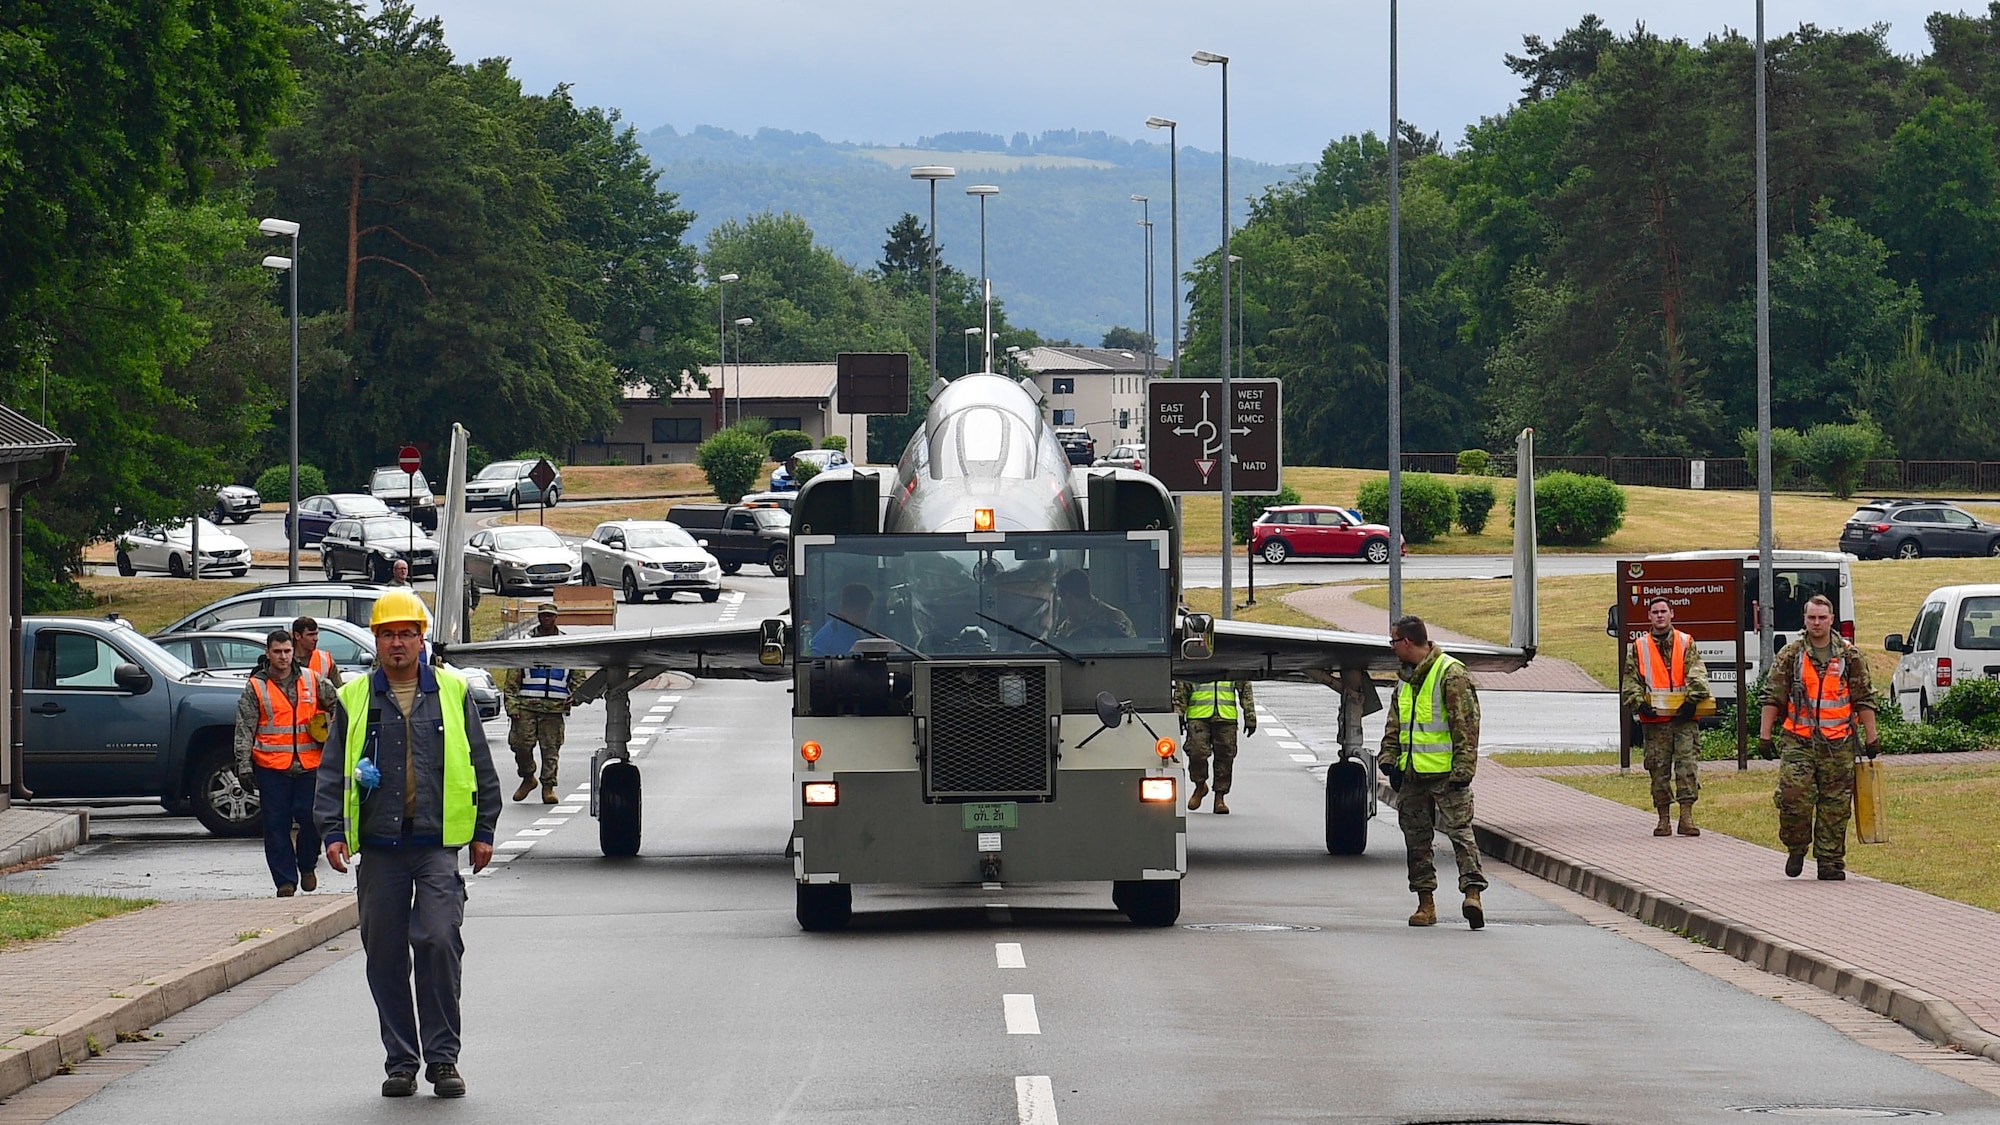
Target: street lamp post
pixel 1395 336
pixel 1205 58
pixel 741 323
pixel 1242 341
pixel 985 286
pixel 1766 587
pixel 933 173
pixel 722 333
pixel 283 228
pixel 1013 359
pixel 1173 229
pixel 1146 229
pixel 967 349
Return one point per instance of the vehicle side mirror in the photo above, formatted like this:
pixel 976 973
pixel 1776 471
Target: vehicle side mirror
pixel 368 660
pixel 1611 621
pixel 771 643
pixel 701 542
pixel 1894 643
pixel 132 678
pixel 1197 636
pixel 1110 712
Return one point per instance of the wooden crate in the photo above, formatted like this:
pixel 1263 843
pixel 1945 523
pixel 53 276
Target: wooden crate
pixel 575 605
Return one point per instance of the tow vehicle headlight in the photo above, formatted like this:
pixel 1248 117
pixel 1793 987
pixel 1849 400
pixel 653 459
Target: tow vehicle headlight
pixel 822 792
pixel 1155 790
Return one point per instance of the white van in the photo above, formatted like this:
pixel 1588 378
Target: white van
pixel 1796 577
pixel 1956 635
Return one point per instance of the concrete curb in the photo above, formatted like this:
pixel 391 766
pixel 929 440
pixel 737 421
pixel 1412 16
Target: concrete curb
pixel 28 1059
pixel 65 830
pixel 1931 1016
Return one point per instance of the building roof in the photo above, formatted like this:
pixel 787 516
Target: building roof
pixel 22 440
pixel 1087 361
pixel 762 381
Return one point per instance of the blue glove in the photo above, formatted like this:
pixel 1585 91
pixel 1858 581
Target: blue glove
pixel 367 774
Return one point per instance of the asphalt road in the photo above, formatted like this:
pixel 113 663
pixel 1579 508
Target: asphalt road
pixel 677 987
pixel 1205 571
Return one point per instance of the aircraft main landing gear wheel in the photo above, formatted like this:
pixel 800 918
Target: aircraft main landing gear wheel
pixel 1347 808
pixel 825 906
pixel 618 809
pixel 1148 902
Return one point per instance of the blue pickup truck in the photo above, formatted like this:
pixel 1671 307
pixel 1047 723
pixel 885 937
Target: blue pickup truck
pixel 110 714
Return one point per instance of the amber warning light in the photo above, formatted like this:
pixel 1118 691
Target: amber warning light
pixel 810 751
pixel 982 519
pixel 1164 748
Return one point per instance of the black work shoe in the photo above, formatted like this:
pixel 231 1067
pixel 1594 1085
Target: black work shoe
pixel 286 890
pixel 1795 863
pixel 401 1084
pixel 308 881
pixel 445 1080
pixel 1832 873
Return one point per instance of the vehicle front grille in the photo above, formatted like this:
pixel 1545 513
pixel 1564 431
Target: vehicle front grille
pixel 549 569
pixel 989 731
pixel 684 567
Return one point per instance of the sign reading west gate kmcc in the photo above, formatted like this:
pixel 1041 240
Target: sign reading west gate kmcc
pixel 1184 420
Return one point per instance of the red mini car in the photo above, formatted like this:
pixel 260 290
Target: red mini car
pixel 1318 530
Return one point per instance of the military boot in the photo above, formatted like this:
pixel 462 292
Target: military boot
pixel 548 794
pixel 1221 806
pixel 1427 910
pixel 1200 791
pixel 1666 825
pixel 1474 910
pixel 1795 862
pixel 1687 827
pixel 527 787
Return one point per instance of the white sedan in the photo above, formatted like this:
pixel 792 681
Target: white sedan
pixel 644 557
pixel 504 557
pixel 171 550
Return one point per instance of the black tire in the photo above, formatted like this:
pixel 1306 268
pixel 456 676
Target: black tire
pixel 730 567
pixel 589 577
pixel 1376 551
pixel 618 809
pixel 823 907
pixel 711 596
pixel 125 567
pixel 1149 902
pixel 633 595
pixel 555 497
pixel 1909 549
pixel 513 500
pixel 224 805
pixel 244 518
pixel 175 566
pixel 1276 550
pixel 1993 549
pixel 327 565
pixel 1347 808
pixel 780 561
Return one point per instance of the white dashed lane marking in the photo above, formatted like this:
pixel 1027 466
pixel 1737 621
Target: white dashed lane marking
pixel 1291 745
pixel 515 845
pixel 567 808
pixel 1007 955
pixel 1019 1008
pixel 1035 1099
pixel 1304 758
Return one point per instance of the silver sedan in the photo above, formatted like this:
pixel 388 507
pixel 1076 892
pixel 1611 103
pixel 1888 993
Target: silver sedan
pixel 503 558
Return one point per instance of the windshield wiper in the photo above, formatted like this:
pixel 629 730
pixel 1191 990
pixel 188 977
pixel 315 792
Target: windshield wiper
pixel 1044 641
pixel 873 633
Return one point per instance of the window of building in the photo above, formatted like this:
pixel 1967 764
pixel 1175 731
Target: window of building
pixel 1062 386
pixel 786 423
pixel 677 431
pixel 1064 417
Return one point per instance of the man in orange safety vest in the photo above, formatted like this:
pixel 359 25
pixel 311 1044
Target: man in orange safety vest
pixel 281 723
pixel 1664 684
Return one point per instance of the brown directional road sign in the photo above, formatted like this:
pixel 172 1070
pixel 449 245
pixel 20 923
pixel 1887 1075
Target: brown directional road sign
pixel 544 475
pixel 1184 436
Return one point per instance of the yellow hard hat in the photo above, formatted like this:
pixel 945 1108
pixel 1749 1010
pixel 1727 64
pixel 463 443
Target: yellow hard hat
pixel 397 607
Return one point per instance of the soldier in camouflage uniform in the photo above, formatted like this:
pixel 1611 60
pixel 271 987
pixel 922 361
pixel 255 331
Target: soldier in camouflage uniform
pixel 1080 614
pixel 1819 687
pixel 1666 660
pixel 537 701
pixel 1211 710
pixel 1429 759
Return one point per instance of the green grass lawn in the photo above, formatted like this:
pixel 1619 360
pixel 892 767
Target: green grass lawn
pixel 25 918
pixel 1944 822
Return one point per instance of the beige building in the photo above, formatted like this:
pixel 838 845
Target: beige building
pixel 1100 389
pixel 792 396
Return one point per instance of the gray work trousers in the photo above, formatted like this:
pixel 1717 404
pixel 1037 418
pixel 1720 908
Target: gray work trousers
pixel 412 901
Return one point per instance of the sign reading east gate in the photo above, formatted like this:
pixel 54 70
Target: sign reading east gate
pixel 1184 420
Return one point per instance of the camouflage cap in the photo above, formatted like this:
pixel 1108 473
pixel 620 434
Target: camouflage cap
pixel 549 608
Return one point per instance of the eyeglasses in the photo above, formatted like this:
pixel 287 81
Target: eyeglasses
pixel 400 635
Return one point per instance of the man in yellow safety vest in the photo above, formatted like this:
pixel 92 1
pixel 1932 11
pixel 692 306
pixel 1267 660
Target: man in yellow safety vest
pixel 411 782
pixel 1664 684
pixel 1430 750
pixel 1212 709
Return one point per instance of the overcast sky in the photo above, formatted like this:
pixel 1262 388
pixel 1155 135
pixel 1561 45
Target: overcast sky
pixel 893 70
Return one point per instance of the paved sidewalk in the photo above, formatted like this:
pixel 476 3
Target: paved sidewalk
pixel 62 997
pixel 1924 961
pixel 28 834
pixel 1336 605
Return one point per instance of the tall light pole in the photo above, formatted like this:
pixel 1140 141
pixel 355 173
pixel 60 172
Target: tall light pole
pixel 1146 246
pixel 741 323
pixel 1242 341
pixel 1204 58
pixel 283 228
pixel 985 286
pixel 967 349
pixel 1766 588
pixel 1395 336
pixel 933 173
pixel 1173 230
pixel 722 333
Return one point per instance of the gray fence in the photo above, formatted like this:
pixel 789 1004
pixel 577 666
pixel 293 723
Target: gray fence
pixel 1736 473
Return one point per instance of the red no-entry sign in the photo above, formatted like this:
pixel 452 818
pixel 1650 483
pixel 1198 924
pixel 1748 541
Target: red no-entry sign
pixel 409 460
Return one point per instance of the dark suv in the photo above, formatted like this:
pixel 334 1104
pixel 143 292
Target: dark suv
pixel 406 494
pixel 1911 529
pixel 1077 444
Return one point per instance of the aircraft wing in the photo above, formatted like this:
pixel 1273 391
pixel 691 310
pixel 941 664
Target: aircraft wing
pixel 1246 650
pixel 714 651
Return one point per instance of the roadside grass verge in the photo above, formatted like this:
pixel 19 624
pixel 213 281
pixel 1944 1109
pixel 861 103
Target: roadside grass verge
pixel 1529 758
pixel 25 918
pixel 154 601
pixel 1943 823
pixel 1269 610
pixel 592 482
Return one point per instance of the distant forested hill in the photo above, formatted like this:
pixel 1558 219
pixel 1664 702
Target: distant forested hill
pixel 1064 246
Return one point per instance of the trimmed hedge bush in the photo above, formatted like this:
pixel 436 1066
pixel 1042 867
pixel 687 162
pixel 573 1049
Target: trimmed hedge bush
pixel 1429 505
pixel 275 483
pixel 731 460
pixel 1474 463
pixel 834 441
pixel 1244 510
pixel 1975 703
pixel 1475 504
pixel 1574 510
pixel 784 443
pixel 530 456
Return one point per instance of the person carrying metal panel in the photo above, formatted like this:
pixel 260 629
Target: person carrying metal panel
pixel 538 702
